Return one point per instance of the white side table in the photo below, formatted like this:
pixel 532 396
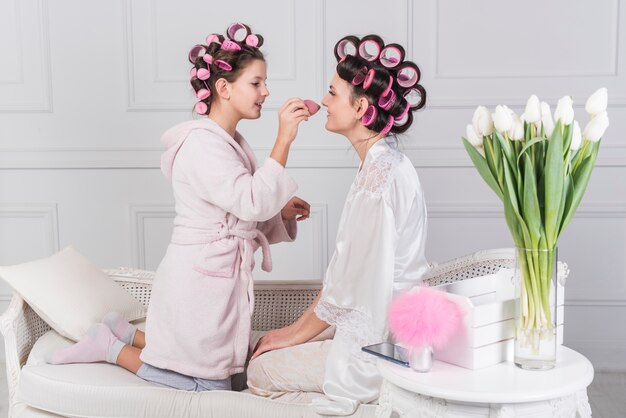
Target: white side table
pixel 502 391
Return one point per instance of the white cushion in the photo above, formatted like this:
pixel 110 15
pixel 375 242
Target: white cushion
pixel 105 390
pixel 69 292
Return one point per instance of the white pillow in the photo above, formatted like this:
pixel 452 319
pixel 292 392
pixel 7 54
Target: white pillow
pixel 69 292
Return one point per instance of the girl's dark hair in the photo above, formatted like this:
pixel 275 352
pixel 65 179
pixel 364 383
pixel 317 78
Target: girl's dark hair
pixel 357 62
pixel 237 59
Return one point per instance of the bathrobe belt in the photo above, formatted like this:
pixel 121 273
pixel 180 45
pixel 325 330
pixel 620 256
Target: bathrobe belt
pixel 193 236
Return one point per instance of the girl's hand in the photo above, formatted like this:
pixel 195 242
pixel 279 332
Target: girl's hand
pixel 274 340
pixel 296 209
pixel 291 113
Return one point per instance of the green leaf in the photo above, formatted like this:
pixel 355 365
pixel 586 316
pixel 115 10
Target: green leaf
pixel 554 177
pixel 532 214
pixel 511 199
pixel 508 150
pixel 528 145
pixel 568 133
pixel 580 182
pixel 569 197
pixel 490 156
pixel 482 167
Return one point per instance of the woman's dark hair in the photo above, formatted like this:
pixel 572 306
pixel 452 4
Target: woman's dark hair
pixel 237 57
pixel 364 64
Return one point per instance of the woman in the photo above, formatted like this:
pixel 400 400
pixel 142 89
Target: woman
pixel 380 243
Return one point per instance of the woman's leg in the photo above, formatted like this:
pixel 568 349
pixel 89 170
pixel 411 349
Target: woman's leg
pixel 292 374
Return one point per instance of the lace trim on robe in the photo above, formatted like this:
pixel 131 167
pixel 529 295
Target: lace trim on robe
pixel 353 324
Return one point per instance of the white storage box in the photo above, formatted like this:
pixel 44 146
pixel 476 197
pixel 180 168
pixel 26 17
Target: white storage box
pixel 486 337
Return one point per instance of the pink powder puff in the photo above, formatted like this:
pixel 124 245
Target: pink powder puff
pixel 424 317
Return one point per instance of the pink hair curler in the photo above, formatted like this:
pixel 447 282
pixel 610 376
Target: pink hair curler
pixel 416 97
pixel 238 32
pixel 359 77
pixel 201 108
pixel 386 102
pixel 404 112
pixel 208 58
pixel 214 37
pixel 203 73
pixel 193 72
pixel 388 126
pixel 346 46
pixel 408 75
pixel 369 49
pixel 229 45
pixel 312 106
pixel 252 40
pixel 369 78
pixel 204 92
pixel 195 52
pixel 403 120
pixel 369 116
pixel 391 56
pixel 223 65
pixel 388 89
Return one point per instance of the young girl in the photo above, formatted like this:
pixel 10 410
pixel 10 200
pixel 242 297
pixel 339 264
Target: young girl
pixel 198 323
pixel 380 242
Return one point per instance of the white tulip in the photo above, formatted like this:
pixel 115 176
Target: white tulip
pixel 596 127
pixel 532 113
pixel 576 137
pixel 482 121
pixel 502 119
pixel 516 133
pixel 564 110
pixel 473 137
pixel 596 103
pixel 546 119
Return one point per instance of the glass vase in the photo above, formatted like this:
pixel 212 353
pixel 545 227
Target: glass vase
pixel 536 313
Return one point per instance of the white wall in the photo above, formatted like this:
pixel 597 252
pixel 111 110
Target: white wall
pixel 87 87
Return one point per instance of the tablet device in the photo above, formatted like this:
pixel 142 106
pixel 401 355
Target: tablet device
pixel 390 352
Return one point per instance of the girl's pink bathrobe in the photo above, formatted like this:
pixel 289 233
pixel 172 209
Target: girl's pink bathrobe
pixel 202 300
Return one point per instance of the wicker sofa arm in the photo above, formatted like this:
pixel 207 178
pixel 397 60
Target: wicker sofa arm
pixel 21 327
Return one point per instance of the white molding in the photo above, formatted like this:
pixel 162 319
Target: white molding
pixel 19 52
pixel 45 104
pixel 611 77
pixel 461 210
pixel 612 72
pixel 152 106
pixel 49 213
pixel 319 218
pixel 138 215
pixel 596 303
pixel 438 156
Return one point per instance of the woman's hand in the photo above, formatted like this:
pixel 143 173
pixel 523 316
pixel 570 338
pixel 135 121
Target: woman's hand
pixel 291 113
pixel 296 209
pixel 274 340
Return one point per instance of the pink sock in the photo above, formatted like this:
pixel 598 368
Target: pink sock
pixel 121 328
pixel 98 344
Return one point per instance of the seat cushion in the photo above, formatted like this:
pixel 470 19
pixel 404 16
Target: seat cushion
pixel 106 390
